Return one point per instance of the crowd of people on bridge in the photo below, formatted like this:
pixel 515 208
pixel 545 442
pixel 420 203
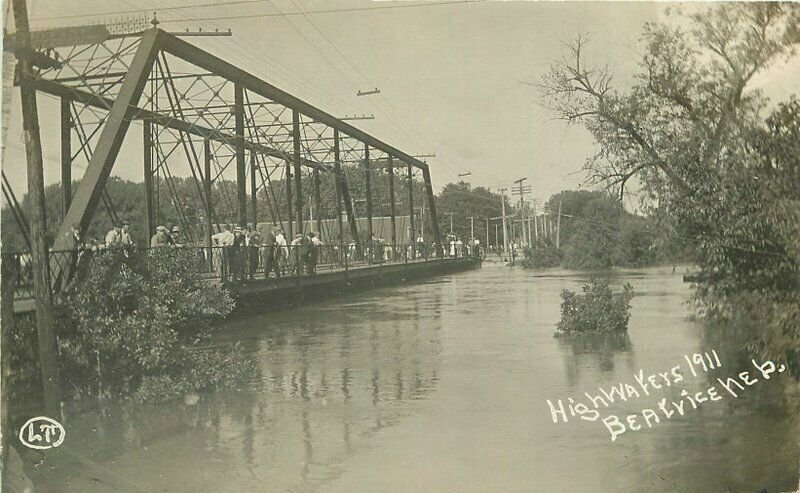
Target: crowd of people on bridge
pixel 456 248
pixel 240 253
pixel 243 253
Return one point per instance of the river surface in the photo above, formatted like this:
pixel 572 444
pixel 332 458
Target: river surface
pixel 442 386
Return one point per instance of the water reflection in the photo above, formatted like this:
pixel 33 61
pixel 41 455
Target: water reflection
pixel 329 383
pixel 440 386
pixel 594 351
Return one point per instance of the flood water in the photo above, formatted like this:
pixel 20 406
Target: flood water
pixel 441 387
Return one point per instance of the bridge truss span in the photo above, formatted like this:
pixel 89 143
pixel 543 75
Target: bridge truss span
pixel 201 112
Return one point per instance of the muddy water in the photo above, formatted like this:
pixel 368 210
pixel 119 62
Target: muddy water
pixel 442 387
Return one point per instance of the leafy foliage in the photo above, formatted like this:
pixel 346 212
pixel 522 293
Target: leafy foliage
pixel 463 201
pixel 597 233
pixel 691 130
pixel 598 309
pixel 180 204
pixel 133 325
pixel 542 255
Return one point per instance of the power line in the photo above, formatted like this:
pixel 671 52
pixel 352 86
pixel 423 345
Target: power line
pixel 397 125
pixel 139 10
pixel 369 82
pixel 247 52
pixel 331 11
pixel 250 16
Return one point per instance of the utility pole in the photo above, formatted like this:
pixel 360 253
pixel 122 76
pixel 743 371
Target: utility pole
pixel 505 230
pixel 521 191
pixel 48 349
pixel 471 227
pixel 545 221
pixel 529 228
pixel 487 232
pixel 451 222
pixel 421 222
pixel 558 227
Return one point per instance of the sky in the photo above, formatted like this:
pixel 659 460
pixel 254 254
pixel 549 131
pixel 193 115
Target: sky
pixel 452 77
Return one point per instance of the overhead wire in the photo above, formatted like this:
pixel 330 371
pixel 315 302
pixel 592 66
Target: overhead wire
pixel 299 32
pixel 243 16
pixel 366 79
pixel 299 80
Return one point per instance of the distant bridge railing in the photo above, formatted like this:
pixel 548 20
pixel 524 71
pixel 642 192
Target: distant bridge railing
pixel 242 263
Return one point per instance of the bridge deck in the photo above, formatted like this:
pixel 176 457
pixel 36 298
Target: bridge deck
pixel 326 274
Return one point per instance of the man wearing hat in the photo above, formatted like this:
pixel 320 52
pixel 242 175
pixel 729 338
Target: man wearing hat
pixel 269 244
pixel 125 238
pixel 175 235
pixel 114 236
pixel 222 239
pixel 161 238
pixel 237 254
pixel 296 253
pixel 253 242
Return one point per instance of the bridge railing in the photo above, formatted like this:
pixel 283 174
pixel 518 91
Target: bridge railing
pixel 259 262
pixel 240 263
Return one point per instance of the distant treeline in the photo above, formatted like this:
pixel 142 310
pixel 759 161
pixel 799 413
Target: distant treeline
pixel 597 232
pixel 178 202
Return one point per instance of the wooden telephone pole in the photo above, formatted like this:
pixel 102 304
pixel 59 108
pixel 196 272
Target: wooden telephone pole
pixel 558 227
pixel 505 229
pixel 48 350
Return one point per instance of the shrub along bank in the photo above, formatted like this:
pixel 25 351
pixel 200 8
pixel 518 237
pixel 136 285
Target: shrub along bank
pixel 137 325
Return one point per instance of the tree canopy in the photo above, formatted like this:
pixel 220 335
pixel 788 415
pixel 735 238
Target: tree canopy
pixel 711 157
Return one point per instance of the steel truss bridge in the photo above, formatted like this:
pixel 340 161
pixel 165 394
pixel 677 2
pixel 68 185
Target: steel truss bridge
pixel 197 109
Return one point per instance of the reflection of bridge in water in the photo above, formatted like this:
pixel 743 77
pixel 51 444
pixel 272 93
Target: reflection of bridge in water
pixel 331 381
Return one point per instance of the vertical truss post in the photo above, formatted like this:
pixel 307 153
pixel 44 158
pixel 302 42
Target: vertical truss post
pixel 317 200
pixel 338 186
pixel 437 234
pixel 253 190
pixel 289 198
pixel 413 233
pixel 207 190
pixel 348 204
pixel 298 177
pixel 66 155
pixel 48 349
pixel 149 203
pixel 348 207
pixel 392 203
pixel 241 162
pixel 368 192
pixel 94 179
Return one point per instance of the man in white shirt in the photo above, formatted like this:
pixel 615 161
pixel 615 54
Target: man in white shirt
pixel 125 235
pixel 281 250
pixel 114 236
pixel 223 239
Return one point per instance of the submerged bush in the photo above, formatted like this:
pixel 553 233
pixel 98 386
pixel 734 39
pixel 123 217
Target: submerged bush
pixel 133 325
pixel 598 309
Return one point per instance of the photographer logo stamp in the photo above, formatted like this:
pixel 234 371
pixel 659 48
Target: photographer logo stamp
pixel 42 433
